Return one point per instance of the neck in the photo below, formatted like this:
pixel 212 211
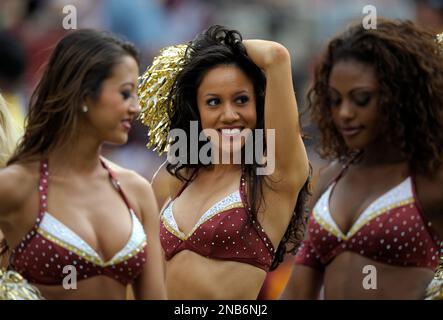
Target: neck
pixel 221 170
pixel 379 153
pixel 81 155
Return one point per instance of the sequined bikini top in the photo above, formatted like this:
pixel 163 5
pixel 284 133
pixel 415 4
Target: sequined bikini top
pixel 226 231
pixel 49 247
pixel 392 229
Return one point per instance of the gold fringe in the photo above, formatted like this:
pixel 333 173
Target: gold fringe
pixel 154 88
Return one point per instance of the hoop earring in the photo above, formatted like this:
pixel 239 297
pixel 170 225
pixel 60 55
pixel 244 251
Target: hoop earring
pixel 85 108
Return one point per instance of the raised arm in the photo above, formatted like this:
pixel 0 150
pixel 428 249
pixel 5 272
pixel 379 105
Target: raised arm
pixel 281 113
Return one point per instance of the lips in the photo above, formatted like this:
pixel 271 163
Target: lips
pixel 127 124
pixel 351 131
pixel 230 132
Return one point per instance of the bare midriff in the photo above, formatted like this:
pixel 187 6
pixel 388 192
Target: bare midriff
pixel 192 276
pixel 347 278
pixel 95 288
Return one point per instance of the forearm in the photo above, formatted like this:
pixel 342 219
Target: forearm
pixel 281 112
pixel 267 55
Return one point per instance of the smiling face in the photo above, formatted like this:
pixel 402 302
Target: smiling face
pixel 354 99
pixel 110 115
pixel 226 103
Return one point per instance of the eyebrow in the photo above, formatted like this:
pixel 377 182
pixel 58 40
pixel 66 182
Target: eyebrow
pixel 355 89
pixel 235 94
pixel 363 88
pixel 128 83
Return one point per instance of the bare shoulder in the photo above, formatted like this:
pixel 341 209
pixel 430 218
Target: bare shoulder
pixel 162 178
pixel 431 198
pixel 131 180
pixel 324 177
pixel 18 177
pixel 137 190
pixel 165 184
pixel 17 182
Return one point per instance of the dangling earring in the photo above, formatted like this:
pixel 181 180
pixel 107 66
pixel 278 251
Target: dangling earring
pixel 85 108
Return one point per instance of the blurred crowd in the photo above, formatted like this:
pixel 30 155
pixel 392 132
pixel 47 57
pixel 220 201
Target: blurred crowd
pixel 30 28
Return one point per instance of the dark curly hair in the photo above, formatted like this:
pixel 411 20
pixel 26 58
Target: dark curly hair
pixel 409 66
pixel 221 46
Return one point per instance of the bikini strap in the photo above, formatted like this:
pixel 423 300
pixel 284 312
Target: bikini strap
pixel 255 223
pixel 182 188
pixel 345 167
pixel 186 184
pixel 43 190
pixel 243 194
pixel 116 183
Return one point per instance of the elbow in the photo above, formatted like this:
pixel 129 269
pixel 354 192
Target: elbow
pixel 278 54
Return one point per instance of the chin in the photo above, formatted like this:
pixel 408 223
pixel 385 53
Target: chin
pixel 360 141
pixel 229 154
pixel 230 148
pixel 118 140
pixel 356 145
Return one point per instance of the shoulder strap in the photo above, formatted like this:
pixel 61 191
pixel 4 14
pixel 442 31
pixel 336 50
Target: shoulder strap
pixel 182 188
pixel 116 183
pixel 345 166
pixel 185 185
pixel 243 193
pixel 43 189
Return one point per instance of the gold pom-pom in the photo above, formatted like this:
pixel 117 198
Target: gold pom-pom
pixel 435 288
pixel 14 287
pixel 440 39
pixel 154 88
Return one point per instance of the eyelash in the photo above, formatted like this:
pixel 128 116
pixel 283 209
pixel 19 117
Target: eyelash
pixel 126 95
pixel 334 102
pixel 212 102
pixel 239 100
pixel 243 99
pixel 360 102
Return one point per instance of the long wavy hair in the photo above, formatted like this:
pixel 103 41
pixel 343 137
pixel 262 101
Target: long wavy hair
pixel 78 66
pixel 214 47
pixel 408 63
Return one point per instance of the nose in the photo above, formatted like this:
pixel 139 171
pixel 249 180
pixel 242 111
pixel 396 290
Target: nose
pixel 346 111
pixel 135 107
pixel 230 114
